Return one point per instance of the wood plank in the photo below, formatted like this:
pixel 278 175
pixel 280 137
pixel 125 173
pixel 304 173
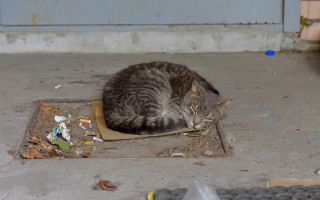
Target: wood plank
pixel 288 182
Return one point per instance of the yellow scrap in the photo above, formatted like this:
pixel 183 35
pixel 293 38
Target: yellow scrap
pixel 150 196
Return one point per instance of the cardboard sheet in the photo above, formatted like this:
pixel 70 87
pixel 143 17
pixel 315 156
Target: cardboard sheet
pixel 288 182
pixel 108 134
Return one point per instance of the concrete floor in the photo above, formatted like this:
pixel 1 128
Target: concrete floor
pixel 266 144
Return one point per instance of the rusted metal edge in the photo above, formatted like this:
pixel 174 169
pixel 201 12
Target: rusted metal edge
pixel 224 144
pixel 29 126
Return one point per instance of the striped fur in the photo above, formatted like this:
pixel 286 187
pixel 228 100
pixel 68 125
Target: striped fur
pixel 153 97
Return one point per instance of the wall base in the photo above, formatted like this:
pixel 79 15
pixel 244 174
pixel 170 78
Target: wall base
pixel 172 40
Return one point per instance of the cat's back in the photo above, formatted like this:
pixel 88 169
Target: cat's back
pixel 144 73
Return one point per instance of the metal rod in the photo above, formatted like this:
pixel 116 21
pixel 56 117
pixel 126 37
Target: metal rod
pixel 222 138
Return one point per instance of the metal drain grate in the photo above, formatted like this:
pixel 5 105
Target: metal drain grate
pixel 296 192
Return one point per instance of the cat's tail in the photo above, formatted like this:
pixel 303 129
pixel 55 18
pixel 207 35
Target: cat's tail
pixel 141 125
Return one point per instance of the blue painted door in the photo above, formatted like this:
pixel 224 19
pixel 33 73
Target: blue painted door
pixel 139 12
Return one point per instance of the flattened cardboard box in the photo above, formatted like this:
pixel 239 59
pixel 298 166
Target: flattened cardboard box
pixel 288 182
pixel 108 134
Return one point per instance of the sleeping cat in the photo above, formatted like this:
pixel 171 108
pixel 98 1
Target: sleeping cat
pixel 157 97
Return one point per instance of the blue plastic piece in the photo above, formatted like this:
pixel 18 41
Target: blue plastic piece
pixel 270 53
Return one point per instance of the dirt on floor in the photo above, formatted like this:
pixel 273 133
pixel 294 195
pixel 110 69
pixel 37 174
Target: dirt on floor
pixel 85 140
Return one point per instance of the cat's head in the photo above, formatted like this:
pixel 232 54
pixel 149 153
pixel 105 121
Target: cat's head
pixel 202 108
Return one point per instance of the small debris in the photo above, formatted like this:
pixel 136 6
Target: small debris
pixel 88 133
pixel 79 151
pixel 92 143
pixel 69 116
pixel 164 153
pixel 60 129
pixel 45 104
pixel 87 152
pixel 34 153
pixel 57 87
pixel 193 135
pixel 317 172
pixel 62 144
pixel 58 118
pixel 89 142
pixel 104 148
pixel 237 123
pixel 85 120
pixel 53 110
pixel 206 132
pixel 47 108
pixel 178 155
pixel 208 153
pixel 298 129
pixel 151 196
pixel 34 140
pixel 107 185
pixel 80 125
pixel 199 145
pixel 182 133
pixel 200 163
pixel 270 53
pixel 54 153
pixel 285 97
pixel 97 139
pixel 274 73
pixel 133 141
pixel 27 156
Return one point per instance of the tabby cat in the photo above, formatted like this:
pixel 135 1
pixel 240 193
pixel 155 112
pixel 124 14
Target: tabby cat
pixel 157 97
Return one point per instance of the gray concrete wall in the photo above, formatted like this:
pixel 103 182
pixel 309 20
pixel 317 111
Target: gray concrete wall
pixel 173 39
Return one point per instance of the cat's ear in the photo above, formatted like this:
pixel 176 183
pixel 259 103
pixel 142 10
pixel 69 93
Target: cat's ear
pixel 195 89
pixel 222 106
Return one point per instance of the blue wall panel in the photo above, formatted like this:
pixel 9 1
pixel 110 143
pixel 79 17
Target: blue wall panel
pixel 140 12
pixel 292 15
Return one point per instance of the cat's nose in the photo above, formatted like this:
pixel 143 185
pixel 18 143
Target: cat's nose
pixel 195 123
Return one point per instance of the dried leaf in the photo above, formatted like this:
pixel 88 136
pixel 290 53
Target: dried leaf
pixel 54 153
pixel 62 144
pixel 53 110
pixel 45 104
pixel 197 146
pixel 36 153
pixel 34 140
pixel 107 185
pixel 47 108
pixel 27 156
pixel 208 153
pixel 87 152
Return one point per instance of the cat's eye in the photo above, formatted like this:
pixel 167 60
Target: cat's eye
pixel 208 118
